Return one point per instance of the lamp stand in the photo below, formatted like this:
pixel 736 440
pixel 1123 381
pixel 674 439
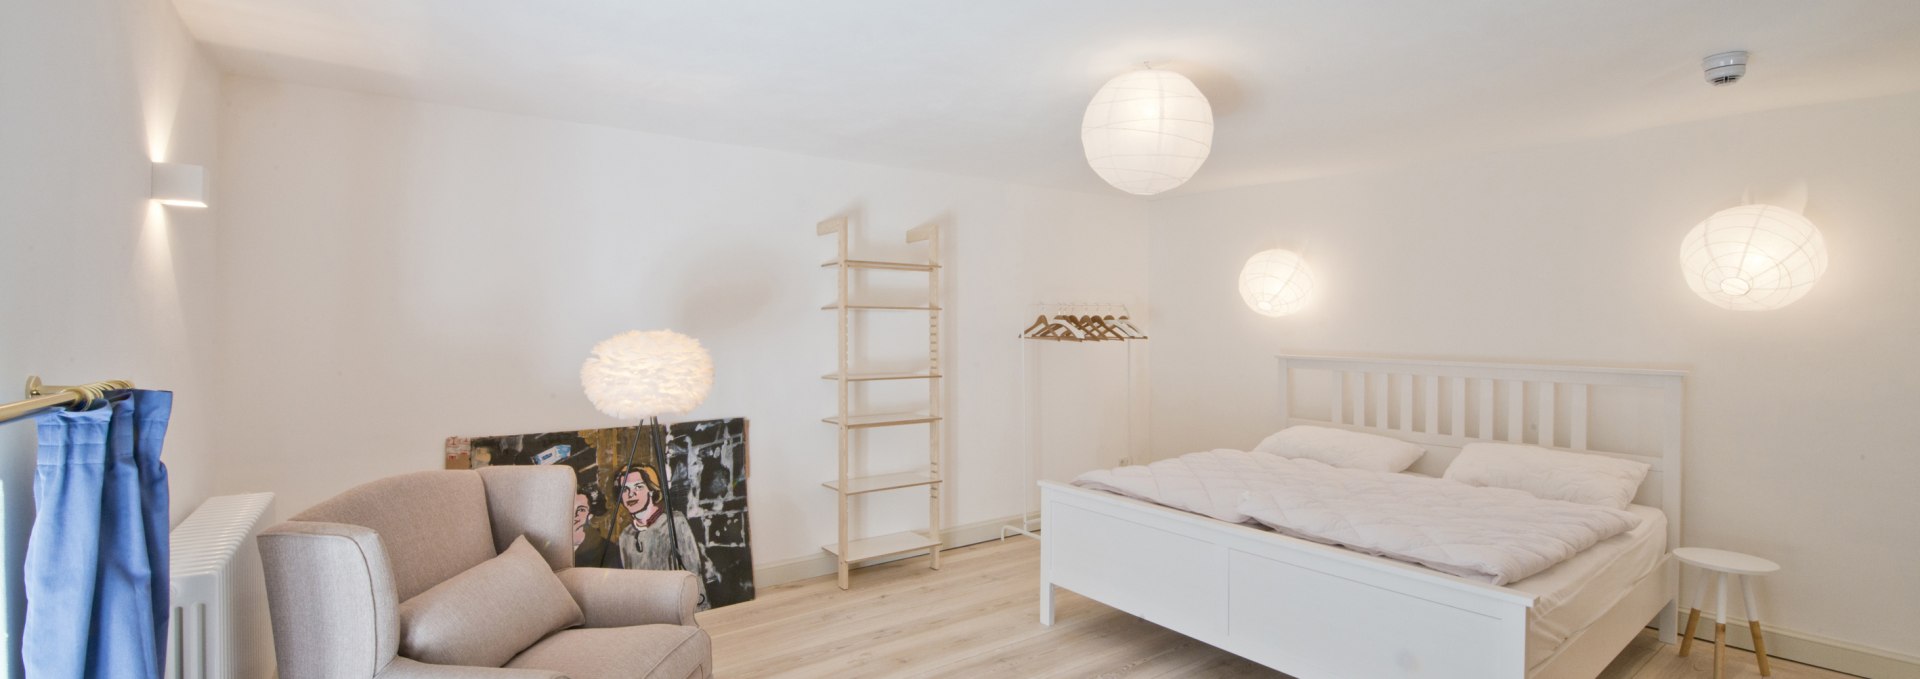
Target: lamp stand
pixel 659 440
pixel 666 487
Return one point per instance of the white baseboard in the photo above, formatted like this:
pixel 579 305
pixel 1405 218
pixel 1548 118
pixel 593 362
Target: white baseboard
pixel 1800 647
pixel 782 572
pixel 1810 649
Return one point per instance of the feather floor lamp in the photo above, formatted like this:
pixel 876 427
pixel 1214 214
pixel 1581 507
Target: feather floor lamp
pixel 641 376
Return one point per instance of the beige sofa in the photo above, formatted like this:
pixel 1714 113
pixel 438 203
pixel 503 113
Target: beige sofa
pixel 338 573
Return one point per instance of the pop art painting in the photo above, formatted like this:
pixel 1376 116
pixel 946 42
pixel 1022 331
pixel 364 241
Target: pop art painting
pixel 627 514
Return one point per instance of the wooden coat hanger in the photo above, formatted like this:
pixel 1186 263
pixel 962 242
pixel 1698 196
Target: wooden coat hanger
pixel 1039 324
pixel 1105 324
pixel 1100 328
pixel 1049 329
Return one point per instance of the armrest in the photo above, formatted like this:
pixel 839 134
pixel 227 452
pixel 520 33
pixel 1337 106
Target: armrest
pixel 615 597
pixel 403 668
pixel 331 598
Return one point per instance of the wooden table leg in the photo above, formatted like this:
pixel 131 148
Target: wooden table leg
pixel 1720 627
pixel 1719 650
pixel 1693 618
pixel 1753 623
pixel 1686 639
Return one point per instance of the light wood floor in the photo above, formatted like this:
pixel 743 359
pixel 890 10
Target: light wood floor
pixel 978 617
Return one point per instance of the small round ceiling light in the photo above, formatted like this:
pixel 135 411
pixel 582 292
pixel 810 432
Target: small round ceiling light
pixel 1276 283
pixel 1753 257
pixel 1147 131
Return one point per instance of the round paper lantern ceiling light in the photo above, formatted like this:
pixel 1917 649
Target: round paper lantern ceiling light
pixel 637 375
pixel 1147 131
pixel 1753 257
pixel 1276 282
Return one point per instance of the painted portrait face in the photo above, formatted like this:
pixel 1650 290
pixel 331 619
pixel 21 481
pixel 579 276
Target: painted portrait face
pixel 634 494
pixel 581 512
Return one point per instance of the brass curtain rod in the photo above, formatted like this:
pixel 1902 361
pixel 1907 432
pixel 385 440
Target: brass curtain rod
pixel 43 396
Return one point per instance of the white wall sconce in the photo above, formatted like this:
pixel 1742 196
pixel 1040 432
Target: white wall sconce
pixel 180 185
pixel 1753 257
pixel 1276 283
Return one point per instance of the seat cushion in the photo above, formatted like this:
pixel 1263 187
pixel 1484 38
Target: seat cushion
pixel 488 614
pixel 640 652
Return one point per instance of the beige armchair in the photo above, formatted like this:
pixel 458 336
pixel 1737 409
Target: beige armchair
pixel 338 573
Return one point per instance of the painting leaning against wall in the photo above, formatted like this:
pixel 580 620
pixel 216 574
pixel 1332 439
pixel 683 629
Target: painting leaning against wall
pixel 628 514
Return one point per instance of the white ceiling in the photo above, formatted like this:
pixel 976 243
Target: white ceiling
pixel 995 88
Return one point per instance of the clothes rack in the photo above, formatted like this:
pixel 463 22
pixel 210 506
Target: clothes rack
pixel 1083 322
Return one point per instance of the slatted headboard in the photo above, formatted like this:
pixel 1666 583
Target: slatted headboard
pixel 1443 405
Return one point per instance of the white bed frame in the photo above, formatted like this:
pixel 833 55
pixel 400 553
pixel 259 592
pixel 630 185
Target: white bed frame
pixel 1315 611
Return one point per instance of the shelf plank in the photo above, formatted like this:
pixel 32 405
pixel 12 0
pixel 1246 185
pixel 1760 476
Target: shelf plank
pixel 882 420
pixel 884 545
pixel 900 307
pixel 878 264
pixel 873 377
pixel 870 484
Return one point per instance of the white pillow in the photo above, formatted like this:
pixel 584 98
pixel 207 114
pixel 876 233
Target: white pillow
pixel 1342 448
pixel 1550 474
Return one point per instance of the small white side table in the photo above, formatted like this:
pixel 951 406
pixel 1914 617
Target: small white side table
pixel 1720 564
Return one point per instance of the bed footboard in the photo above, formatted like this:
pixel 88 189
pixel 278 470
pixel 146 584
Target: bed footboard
pixel 1306 609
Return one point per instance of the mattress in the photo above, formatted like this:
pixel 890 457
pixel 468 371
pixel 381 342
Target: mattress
pixel 1574 594
pixel 1495 535
pixel 1569 596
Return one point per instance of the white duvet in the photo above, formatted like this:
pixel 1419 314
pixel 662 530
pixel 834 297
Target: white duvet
pixel 1494 534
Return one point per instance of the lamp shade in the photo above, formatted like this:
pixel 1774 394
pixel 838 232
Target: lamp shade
pixel 636 375
pixel 1753 257
pixel 1276 282
pixel 1147 131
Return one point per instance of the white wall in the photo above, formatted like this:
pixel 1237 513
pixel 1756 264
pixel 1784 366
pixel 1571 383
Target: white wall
pixel 99 283
pixel 395 272
pixel 1801 426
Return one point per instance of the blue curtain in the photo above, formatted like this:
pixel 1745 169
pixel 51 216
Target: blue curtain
pixel 96 569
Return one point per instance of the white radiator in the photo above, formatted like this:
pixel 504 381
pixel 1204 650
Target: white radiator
pixel 219 627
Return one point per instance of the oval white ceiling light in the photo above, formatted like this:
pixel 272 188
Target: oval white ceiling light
pixel 1753 257
pixel 1276 282
pixel 1147 131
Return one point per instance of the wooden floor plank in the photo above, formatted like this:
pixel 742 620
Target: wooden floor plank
pixel 1638 653
pixel 802 616
pixel 978 617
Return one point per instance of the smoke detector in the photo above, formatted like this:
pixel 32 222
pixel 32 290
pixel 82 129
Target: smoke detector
pixel 1725 68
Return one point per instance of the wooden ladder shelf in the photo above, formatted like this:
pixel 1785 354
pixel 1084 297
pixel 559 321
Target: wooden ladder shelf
pixel 848 549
